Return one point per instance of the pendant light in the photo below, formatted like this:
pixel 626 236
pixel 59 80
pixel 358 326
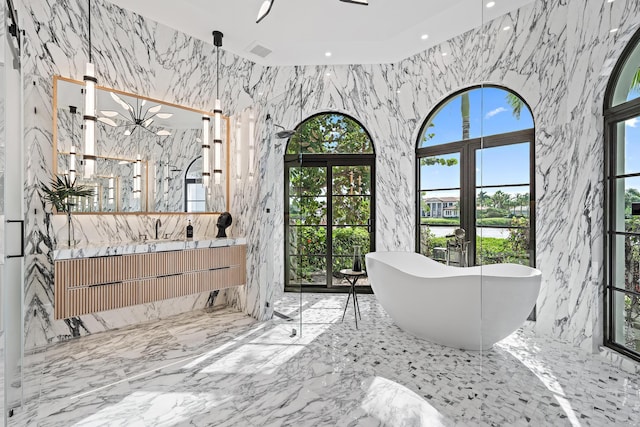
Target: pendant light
pixel 110 188
pixel 217 115
pixel 165 185
pixel 206 155
pixel 238 150
pixel 89 116
pixel 72 152
pixel 137 177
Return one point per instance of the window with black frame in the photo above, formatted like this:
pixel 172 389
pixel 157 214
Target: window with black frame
pixel 329 202
pixel 195 194
pixel 622 171
pixel 475 172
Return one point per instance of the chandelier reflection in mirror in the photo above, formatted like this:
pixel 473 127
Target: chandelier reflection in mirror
pixel 140 116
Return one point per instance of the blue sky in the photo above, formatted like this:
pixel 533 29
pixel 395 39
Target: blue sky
pixel 490 114
pixel 632 146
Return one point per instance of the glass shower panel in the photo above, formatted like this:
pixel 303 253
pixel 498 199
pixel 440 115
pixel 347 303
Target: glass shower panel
pixel 303 208
pixel 3 382
pixel 302 231
pixel 504 218
pixel 12 216
pixel 483 43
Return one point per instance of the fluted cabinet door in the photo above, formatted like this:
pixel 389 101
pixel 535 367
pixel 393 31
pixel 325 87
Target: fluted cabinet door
pixel 90 285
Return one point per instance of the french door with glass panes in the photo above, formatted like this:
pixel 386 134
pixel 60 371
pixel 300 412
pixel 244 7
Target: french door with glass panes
pixel 329 206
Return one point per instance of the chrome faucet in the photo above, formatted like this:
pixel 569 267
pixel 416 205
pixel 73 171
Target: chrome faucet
pixel 158 225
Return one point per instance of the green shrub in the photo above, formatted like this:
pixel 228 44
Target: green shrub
pixel 493 213
pixel 440 221
pixel 311 242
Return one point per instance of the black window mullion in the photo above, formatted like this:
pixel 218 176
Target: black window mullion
pixel 613 117
pixel 329 236
pixel 470 201
pixel 611 178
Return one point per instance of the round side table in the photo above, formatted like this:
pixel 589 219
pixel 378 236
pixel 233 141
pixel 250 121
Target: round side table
pixel 352 277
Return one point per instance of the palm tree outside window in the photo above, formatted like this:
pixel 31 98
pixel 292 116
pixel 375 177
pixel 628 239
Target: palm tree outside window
pixel 475 151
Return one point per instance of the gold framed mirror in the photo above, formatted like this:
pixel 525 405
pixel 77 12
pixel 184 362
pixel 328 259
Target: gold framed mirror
pixel 165 139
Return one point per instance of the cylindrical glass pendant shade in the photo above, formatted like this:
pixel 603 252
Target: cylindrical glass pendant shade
pixel 137 175
pixel 89 119
pixel 217 142
pixel 238 150
pixel 206 154
pixel 72 165
pixel 111 190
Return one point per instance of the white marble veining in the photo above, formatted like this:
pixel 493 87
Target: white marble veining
pixel 133 55
pixel 556 62
pixel 140 247
pixel 99 229
pixel 224 368
pixel 557 56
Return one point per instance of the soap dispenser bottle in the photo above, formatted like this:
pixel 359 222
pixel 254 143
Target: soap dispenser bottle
pixel 189 231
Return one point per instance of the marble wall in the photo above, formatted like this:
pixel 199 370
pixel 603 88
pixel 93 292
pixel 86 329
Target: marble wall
pixel 557 56
pixel 134 55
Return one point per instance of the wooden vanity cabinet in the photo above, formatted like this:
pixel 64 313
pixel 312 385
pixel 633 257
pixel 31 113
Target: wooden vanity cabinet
pixel 88 285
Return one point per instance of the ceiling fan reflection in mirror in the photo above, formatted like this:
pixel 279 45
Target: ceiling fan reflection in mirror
pixel 134 117
pixel 265 8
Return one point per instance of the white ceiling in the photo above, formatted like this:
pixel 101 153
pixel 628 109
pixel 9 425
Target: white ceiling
pixel 299 32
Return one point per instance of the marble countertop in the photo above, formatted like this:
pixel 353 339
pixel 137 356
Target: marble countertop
pixel 140 247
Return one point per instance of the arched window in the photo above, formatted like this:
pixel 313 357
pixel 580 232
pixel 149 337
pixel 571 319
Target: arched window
pixel 475 171
pixel 622 172
pixel 194 191
pixel 329 201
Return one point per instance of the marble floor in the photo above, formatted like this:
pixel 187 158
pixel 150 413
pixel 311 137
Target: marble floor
pixel 223 368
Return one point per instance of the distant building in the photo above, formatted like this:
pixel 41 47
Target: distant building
pixel 442 207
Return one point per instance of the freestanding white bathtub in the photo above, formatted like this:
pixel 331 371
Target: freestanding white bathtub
pixel 470 308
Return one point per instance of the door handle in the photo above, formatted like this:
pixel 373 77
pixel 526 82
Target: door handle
pixel 369 226
pixel 12 221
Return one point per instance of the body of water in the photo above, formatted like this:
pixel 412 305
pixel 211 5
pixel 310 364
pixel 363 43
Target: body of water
pixel 500 233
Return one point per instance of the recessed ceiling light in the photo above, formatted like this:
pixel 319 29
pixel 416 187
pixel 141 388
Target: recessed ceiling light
pixel 609 1
pixel 491 4
pixel 444 53
pixel 398 91
pixel 259 93
pixel 613 30
pixel 424 36
pixel 328 74
pixel 507 28
pixel 327 54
